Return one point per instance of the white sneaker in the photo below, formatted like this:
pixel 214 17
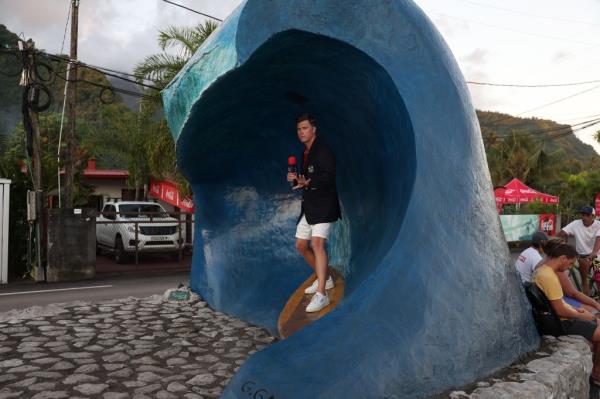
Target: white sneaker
pixel 311 289
pixel 318 302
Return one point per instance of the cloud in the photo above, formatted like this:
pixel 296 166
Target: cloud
pixel 474 68
pixel 450 27
pixel 477 57
pixel 561 56
pixel 112 33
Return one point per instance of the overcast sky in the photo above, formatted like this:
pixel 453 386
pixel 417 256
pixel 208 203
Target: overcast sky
pixel 514 41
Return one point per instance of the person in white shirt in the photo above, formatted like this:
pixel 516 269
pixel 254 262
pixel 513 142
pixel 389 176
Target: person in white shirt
pixel 531 256
pixel 585 231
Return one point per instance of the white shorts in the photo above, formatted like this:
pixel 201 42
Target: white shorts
pixel 305 231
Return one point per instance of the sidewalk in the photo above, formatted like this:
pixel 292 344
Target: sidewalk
pixel 127 348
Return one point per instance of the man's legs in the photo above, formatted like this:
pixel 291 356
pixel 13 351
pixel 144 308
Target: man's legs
pixel 306 252
pixel 584 269
pixel 320 259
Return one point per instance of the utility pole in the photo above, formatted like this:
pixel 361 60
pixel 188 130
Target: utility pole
pixel 70 161
pixel 30 108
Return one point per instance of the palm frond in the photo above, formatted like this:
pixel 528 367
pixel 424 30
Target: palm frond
pixel 160 67
pixel 181 38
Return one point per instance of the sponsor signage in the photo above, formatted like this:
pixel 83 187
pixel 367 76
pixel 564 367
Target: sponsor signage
pixel 522 227
pixel 168 192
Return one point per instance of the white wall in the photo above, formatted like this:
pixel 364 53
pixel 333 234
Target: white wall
pixel 4 212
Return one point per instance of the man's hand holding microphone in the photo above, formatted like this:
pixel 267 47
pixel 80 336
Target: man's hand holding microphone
pixel 296 181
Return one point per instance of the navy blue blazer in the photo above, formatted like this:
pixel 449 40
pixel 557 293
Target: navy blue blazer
pixel 320 203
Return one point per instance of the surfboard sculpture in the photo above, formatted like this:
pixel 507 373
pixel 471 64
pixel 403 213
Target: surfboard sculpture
pixel 294 317
pixel 431 300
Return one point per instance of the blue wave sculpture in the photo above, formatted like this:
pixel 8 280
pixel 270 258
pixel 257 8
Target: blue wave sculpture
pixel 431 300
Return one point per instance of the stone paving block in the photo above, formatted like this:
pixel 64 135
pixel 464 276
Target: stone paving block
pixel 155 350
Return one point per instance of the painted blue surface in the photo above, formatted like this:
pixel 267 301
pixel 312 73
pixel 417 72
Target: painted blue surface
pixel 431 301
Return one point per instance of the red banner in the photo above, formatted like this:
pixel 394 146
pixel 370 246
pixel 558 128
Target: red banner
pixel 168 192
pixel 597 204
pixel 548 223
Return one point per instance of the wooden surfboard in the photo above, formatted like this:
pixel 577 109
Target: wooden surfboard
pixel 294 316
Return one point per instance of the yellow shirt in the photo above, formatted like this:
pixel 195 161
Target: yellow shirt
pixel 547 280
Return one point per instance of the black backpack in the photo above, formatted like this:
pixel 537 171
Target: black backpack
pixel 546 320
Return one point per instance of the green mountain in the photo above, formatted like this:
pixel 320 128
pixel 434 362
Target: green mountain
pixel 102 118
pixel 555 137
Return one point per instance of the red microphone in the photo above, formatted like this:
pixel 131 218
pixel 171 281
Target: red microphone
pixel 292 169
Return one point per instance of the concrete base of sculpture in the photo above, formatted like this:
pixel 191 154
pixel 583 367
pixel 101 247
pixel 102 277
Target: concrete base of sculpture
pixel 562 370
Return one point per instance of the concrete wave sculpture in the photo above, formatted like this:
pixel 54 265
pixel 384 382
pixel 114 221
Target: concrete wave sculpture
pixel 431 300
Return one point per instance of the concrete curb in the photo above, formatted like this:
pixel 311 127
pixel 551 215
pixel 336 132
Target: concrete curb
pixel 562 370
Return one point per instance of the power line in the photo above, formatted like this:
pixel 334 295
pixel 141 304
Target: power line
pixel 110 88
pixel 571 132
pixel 581 117
pixel 548 104
pixel 62 46
pixel 516 31
pixel 122 73
pixel 120 77
pixel 532 85
pixel 104 71
pixel 189 9
pixel 559 100
pixel 556 129
pixel 529 14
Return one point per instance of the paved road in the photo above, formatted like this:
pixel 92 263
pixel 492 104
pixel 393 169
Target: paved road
pixel 21 296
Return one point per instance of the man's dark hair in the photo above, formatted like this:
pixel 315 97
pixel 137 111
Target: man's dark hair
pixel 306 117
pixel 563 249
pixel 552 243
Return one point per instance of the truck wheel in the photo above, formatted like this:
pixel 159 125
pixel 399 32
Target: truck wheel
pixel 120 254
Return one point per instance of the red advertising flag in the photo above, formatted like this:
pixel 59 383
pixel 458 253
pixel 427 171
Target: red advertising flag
pixel 597 204
pixel 548 223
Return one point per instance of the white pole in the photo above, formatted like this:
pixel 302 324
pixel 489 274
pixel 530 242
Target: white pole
pixel 62 119
pixel 4 210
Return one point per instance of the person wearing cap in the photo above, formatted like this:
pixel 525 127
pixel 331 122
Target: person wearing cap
pixel 585 231
pixel 531 256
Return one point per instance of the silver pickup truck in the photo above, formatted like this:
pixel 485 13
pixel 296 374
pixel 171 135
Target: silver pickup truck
pixel 156 231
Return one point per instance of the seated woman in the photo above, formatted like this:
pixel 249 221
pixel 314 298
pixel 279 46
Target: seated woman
pixel 572 296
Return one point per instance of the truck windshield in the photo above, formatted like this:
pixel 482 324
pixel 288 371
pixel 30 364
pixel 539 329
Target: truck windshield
pixel 137 210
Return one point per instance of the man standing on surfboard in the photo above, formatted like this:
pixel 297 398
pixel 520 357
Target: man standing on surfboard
pixel 320 208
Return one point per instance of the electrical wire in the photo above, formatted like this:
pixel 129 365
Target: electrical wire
pixel 516 31
pixel 110 88
pixel 532 85
pixel 189 9
pixel 120 77
pixel 529 14
pixel 62 46
pixel 559 100
pixel 114 74
pixel 555 129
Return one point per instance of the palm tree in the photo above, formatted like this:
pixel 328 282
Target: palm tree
pixel 160 69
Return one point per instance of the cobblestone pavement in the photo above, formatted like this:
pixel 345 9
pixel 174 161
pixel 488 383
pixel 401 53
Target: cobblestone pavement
pixel 127 348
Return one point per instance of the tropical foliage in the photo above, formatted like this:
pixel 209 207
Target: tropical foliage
pixel 160 69
pixel 542 154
